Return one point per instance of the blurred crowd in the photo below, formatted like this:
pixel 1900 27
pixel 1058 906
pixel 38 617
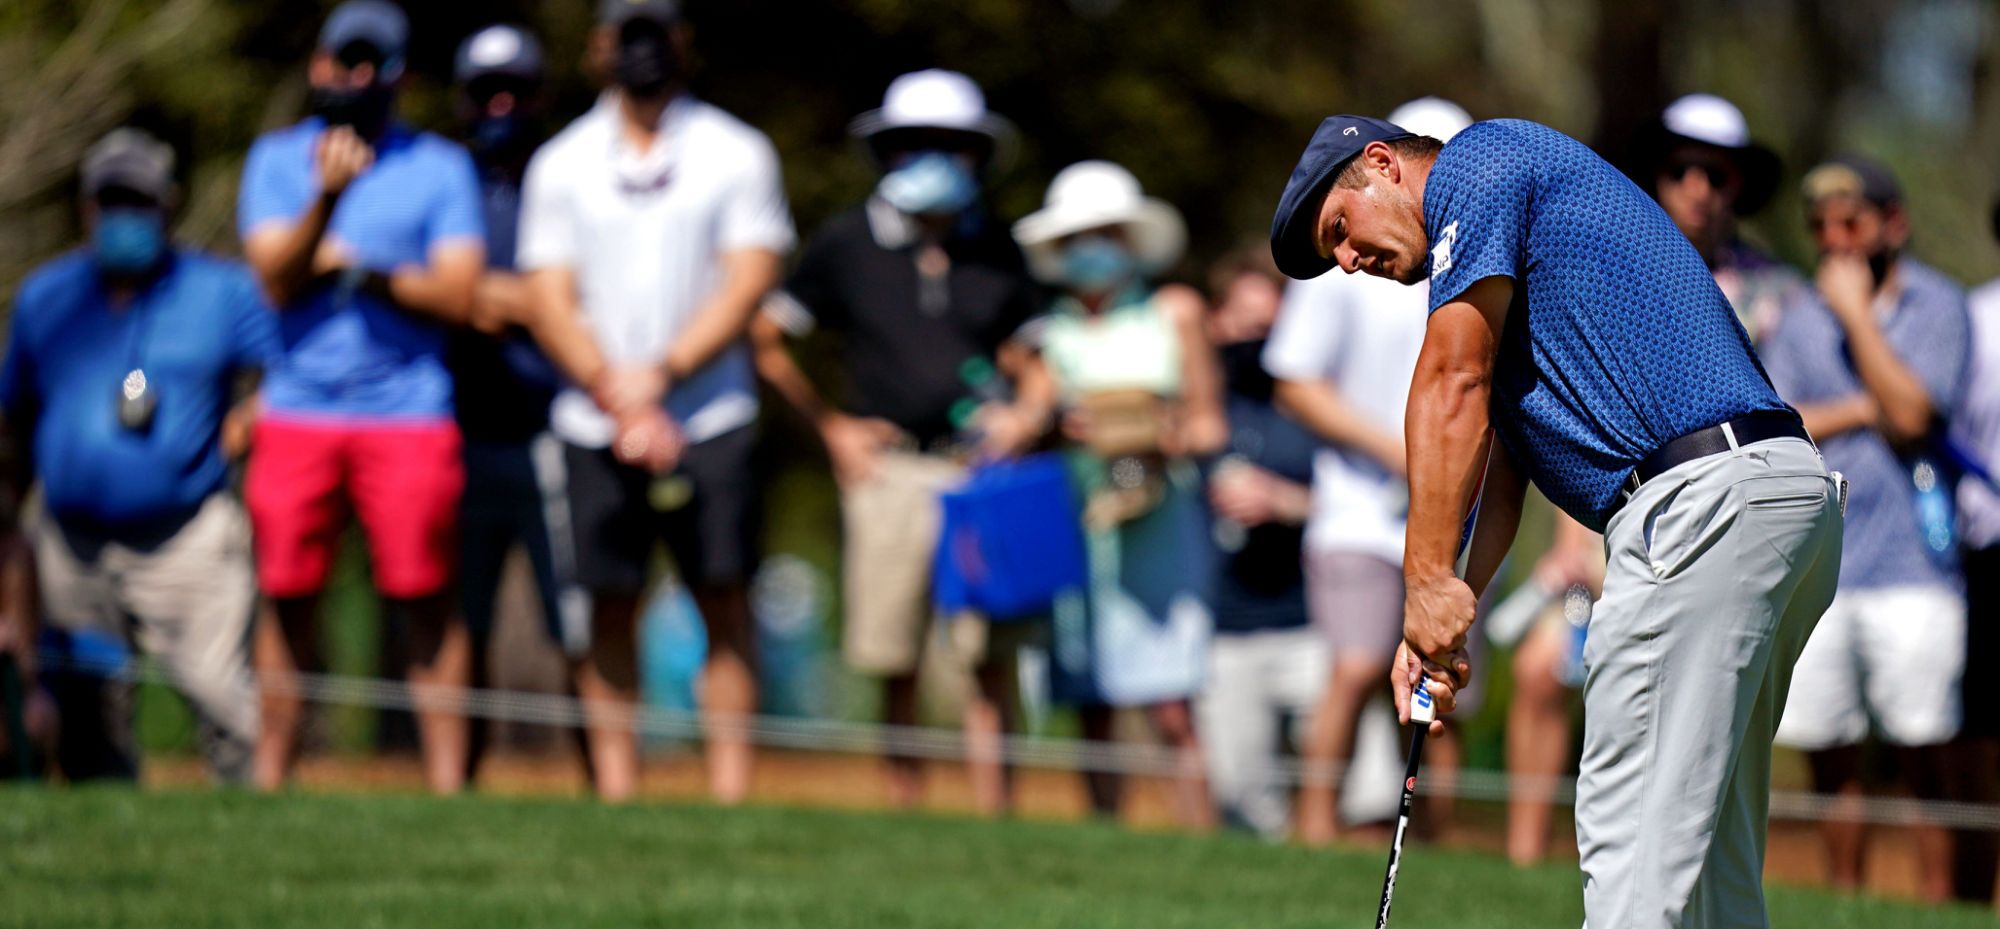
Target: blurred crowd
pixel 510 339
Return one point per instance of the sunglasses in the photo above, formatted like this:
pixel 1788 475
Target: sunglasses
pixel 1719 174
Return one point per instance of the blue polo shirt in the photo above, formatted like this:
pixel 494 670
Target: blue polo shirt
pixel 1618 340
pixel 1928 327
pixel 191 331
pixel 356 358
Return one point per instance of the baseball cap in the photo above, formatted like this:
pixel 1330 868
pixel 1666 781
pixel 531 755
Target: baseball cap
pixel 377 24
pixel 618 12
pixel 501 49
pixel 1338 139
pixel 132 160
pixel 1707 120
pixel 1853 176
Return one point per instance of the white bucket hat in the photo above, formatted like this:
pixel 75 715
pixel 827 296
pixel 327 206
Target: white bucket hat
pixel 935 100
pixel 1091 195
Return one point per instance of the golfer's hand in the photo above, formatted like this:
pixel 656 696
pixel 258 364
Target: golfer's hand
pixel 1437 614
pixel 1404 675
pixel 341 157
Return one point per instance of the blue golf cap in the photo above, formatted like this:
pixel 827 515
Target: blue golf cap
pixel 375 23
pixel 1338 139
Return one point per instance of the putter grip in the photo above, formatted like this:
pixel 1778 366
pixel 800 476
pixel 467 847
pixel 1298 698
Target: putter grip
pixel 1422 710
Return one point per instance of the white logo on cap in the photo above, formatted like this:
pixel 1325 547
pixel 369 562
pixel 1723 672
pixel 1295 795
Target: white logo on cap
pixel 1441 255
pixel 1350 131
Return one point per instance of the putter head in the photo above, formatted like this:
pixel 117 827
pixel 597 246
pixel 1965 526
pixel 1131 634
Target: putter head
pixel 1422 710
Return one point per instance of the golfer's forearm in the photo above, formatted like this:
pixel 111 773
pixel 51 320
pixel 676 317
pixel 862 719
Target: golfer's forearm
pixel 1444 429
pixel 1499 520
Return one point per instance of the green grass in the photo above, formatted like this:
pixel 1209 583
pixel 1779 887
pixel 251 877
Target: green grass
pixel 113 857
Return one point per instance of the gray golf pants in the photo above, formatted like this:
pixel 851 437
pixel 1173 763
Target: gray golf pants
pixel 1718 571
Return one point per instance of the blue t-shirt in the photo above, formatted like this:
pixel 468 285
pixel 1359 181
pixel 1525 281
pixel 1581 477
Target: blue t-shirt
pixel 356 358
pixel 1807 355
pixel 1618 340
pixel 192 331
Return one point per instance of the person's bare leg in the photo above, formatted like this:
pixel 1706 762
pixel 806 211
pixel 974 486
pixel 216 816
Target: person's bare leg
pixel 440 664
pixel 905 771
pixel 1838 771
pixel 728 690
pixel 284 643
pixel 1923 771
pixel 1538 739
pixel 1442 759
pixel 608 682
pixel 1330 742
pixel 989 717
pixel 1174 722
pixel 1106 789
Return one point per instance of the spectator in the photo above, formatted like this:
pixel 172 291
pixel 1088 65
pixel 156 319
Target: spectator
pixel 1343 352
pixel 1873 358
pixel 1705 170
pixel 651 229
pixel 1266 665
pixel 924 288
pixel 1974 768
pixel 502 384
pixel 367 237
pixel 1141 399
pixel 137 532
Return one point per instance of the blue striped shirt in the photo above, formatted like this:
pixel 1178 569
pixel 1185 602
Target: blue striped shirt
pixel 356 357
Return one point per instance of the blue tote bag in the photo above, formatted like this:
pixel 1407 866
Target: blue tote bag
pixel 1012 540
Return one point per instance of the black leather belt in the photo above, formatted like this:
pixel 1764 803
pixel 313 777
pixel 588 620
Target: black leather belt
pixel 1761 426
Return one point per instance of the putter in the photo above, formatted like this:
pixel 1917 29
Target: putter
pixel 1422 712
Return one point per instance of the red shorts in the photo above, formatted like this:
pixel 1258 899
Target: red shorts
pixel 403 481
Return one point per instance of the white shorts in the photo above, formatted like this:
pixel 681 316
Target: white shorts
pixel 1895 654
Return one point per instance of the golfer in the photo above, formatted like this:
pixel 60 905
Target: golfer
pixel 1572 319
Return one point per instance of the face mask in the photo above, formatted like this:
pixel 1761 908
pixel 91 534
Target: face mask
pixel 646 62
pixel 1878 265
pixel 930 183
pixel 365 109
pixel 1096 264
pixel 129 240
pixel 499 139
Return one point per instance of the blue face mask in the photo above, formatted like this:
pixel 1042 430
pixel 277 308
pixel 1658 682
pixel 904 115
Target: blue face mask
pixel 930 183
pixel 1095 264
pixel 129 240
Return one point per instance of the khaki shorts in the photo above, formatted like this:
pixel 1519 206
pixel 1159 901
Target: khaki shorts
pixel 188 601
pixel 892 525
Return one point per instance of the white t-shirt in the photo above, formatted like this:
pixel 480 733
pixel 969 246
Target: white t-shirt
pixel 644 232
pixel 1362 335
pixel 1976 424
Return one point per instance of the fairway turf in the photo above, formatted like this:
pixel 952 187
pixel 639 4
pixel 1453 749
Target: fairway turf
pixel 113 857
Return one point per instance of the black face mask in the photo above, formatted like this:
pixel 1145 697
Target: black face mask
pixel 366 109
pixel 1878 265
pixel 646 64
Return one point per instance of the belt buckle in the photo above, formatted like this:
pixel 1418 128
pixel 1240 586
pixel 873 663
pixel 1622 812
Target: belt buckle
pixel 1632 485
